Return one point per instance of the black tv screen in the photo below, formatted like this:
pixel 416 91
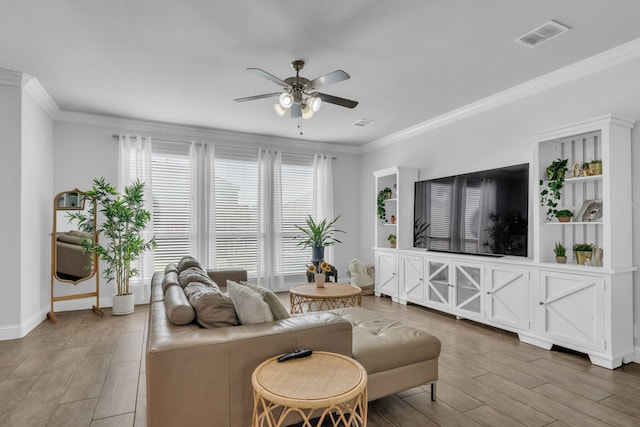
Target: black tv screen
pixel 482 213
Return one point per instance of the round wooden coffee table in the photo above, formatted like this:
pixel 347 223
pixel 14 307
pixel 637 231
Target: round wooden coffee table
pixel 308 297
pixel 323 386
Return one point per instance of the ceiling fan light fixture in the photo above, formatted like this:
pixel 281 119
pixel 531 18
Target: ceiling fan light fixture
pixel 279 110
pixel 285 100
pixel 307 111
pixel 314 102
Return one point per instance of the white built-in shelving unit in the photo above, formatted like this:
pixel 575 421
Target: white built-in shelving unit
pixel 584 308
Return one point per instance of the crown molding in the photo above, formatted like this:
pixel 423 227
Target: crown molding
pixel 33 87
pixel 10 77
pixel 594 64
pixel 124 125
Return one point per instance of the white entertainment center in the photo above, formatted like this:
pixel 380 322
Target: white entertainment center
pixel 585 308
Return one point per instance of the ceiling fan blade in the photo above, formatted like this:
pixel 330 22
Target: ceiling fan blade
pixel 296 111
pixel 251 98
pixel 337 100
pixel 327 79
pixel 268 76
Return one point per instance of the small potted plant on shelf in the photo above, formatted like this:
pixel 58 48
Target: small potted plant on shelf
pixel 551 192
pixel 583 252
pixel 564 215
pixel 383 196
pixel 596 167
pixel 392 240
pixel 561 253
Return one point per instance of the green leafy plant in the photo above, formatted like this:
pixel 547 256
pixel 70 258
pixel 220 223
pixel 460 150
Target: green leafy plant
pixel 124 220
pixel 564 213
pixel 559 249
pixel 318 234
pixel 392 239
pixel 551 192
pixel 585 247
pixel 383 195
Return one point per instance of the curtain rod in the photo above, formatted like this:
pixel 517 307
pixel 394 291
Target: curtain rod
pixel 117 136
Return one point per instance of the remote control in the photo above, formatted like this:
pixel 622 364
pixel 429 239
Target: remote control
pixel 295 354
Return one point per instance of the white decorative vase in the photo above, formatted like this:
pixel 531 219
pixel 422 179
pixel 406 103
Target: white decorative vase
pixel 319 280
pixel 122 304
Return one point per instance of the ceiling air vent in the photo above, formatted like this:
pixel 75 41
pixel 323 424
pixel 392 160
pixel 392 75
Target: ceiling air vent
pixel 542 34
pixel 363 122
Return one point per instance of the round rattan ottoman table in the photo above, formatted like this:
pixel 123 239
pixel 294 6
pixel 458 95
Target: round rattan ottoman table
pixel 316 388
pixel 307 297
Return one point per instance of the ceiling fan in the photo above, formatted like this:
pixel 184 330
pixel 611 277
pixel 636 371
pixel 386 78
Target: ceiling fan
pixel 300 94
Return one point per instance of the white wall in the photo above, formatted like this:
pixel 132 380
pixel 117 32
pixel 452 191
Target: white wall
pixel 504 135
pixel 36 202
pixel 84 149
pixel 10 170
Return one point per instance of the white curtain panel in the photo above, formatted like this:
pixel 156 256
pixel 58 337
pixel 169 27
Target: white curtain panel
pixel 323 195
pixel 270 236
pixel 201 197
pixel 134 164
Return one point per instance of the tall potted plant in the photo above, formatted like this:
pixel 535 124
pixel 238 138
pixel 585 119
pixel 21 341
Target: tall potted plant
pixel 317 236
pixel 123 221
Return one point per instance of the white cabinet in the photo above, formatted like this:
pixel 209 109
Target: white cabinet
pixel 412 278
pixel 452 286
pixel 387 274
pixel 468 281
pixel 570 309
pixel 507 296
pixel 438 285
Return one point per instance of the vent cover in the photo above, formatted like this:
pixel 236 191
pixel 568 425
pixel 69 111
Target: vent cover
pixel 363 122
pixel 542 34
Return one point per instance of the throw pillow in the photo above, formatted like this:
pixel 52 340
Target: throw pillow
pixel 177 306
pixel 278 310
pixel 213 308
pixel 250 306
pixel 187 262
pixel 195 274
pixel 359 275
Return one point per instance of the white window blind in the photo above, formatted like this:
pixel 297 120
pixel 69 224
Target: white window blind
pixel 236 209
pixel 297 204
pixel 236 213
pixel 171 207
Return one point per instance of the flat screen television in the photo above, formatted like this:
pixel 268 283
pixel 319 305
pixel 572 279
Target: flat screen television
pixel 480 213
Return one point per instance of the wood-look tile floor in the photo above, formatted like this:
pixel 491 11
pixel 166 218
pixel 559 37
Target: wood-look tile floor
pixel 89 371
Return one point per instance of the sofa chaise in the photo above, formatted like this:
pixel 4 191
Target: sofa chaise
pixel 202 377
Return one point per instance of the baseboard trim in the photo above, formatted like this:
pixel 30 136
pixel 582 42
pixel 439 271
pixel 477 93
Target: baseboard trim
pixel 636 357
pixel 141 293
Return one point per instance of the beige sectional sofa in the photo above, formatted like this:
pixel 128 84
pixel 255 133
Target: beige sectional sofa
pixel 202 377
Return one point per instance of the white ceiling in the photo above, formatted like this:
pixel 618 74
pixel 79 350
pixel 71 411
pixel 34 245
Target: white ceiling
pixel 185 61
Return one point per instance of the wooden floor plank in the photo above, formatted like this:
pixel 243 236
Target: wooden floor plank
pixel 596 410
pixel 124 420
pixel 77 413
pixel 120 389
pixel 539 402
pixel 489 417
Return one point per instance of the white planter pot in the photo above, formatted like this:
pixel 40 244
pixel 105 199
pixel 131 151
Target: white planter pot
pixel 122 304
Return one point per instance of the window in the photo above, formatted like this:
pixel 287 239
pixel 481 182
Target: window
pixel 297 203
pixel 171 207
pixel 235 242
pixel 236 213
